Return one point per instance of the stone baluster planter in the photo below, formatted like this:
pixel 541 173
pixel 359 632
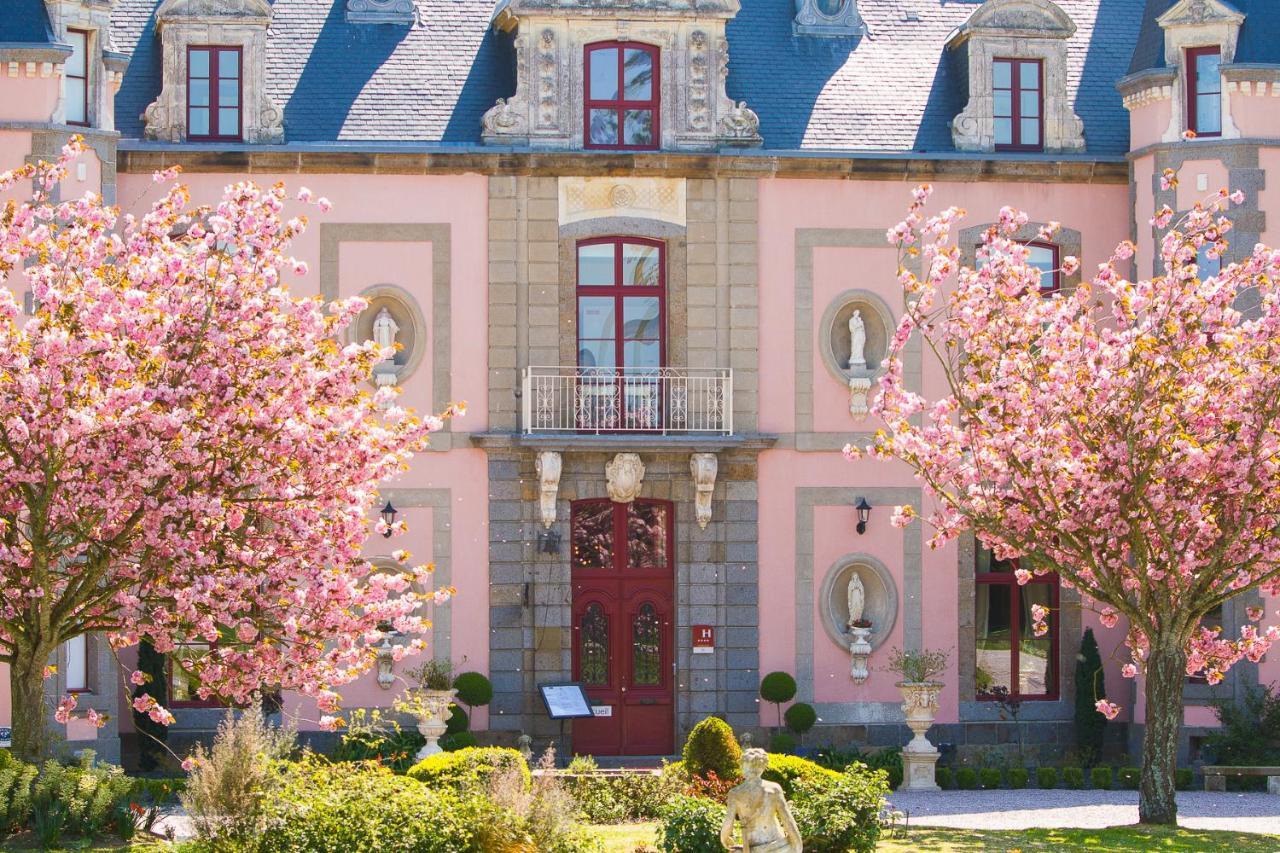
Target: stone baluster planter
pixel 431 721
pixel 919 756
pixel 859 652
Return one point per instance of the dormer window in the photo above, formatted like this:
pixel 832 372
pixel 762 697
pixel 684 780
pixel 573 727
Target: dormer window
pixel 1204 91
pixel 621 103
pixel 75 79
pixel 827 19
pixel 213 94
pixel 1018 98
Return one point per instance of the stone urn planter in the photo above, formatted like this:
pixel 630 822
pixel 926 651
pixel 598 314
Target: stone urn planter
pixel 919 756
pixel 432 708
pixel 859 652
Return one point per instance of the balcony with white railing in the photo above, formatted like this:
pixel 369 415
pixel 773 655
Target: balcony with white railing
pixel 646 400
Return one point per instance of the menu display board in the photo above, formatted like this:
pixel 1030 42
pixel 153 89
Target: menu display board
pixel 566 700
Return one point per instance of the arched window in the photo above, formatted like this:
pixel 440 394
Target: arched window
pixel 621 97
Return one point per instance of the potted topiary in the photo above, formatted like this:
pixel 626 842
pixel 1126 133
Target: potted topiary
pixel 429 702
pixel 916 671
pixel 778 688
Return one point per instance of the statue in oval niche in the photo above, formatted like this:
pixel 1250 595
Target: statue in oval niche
pixel 857 598
pixel 385 329
pixel 767 823
pixel 857 341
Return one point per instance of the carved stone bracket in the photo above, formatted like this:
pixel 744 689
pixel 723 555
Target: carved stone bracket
pixel 703 468
pixel 859 388
pixel 624 476
pixel 548 464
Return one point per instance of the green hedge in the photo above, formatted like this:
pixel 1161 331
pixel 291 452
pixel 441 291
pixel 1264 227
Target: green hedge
pixel 989 777
pixel 1129 778
pixel 1017 777
pixel 1100 778
pixel 469 769
pixel 1046 777
pixel 966 778
pixel 690 825
pixel 1073 777
pixel 841 814
pixel 945 777
pixel 621 798
pixel 789 770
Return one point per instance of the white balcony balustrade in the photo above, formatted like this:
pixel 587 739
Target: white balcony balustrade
pixel 661 400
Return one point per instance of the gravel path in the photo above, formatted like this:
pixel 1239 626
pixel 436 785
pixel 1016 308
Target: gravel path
pixel 1084 809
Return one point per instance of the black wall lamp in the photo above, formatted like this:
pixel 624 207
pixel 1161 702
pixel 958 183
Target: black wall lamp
pixel 548 542
pixel 389 518
pixel 864 514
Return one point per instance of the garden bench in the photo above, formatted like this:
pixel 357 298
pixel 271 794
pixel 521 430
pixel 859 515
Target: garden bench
pixel 1215 777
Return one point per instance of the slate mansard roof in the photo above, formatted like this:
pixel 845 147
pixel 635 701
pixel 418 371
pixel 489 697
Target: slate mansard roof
pixel 1259 34
pixel 894 89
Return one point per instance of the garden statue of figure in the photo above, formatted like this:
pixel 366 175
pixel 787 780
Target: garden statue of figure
pixel 385 329
pixel 767 824
pixel 857 598
pixel 857 341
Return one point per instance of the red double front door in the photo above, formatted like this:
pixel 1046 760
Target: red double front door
pixel 623 622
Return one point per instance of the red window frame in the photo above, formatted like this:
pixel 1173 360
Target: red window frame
pixel 618 290
pixel 215 63
pixel 1193 81
pixel 86 34
pixel 622 104
pixel 1055 276
pixel 1015 632
pixel 1015 102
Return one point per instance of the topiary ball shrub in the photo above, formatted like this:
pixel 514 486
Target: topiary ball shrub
pixel 458 720
pixel 843 814
pixel 690 825
pixel 782 742
pixel 1129 778
pixel 1073 777
pixel 1046 777
pixel 790 770
pixel 800 717
pixel 1017 777
pixel 966 778
pixel 989 777
pixel 474 690
pixel 778 687
pixel 945 777
pixel 1100 778
pixel 1182 778
pixel 468 770
pixel 712 748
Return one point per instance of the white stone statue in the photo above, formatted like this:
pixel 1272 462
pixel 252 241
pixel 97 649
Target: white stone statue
pixel 857 341
pixel 385 329
pixel 857 597
pixel 761 807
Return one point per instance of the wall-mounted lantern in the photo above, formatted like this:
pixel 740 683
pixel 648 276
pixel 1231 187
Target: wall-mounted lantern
pixel 548 542
pixel 389 518
pixel 864 514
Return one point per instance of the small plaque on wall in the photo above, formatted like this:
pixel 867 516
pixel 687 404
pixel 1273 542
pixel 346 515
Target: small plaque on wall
pixel 704 639
pixel 602 710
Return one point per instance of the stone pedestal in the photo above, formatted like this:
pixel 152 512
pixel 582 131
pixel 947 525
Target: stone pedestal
pixel 859 651
pixel 917 771
pixel 919 756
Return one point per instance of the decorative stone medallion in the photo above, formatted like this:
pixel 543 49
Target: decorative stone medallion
pixel 624 476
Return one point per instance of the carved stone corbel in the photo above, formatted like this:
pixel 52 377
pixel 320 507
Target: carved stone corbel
pixel 859 388
pixel 548 464
pixel 624 476
pixel 703 467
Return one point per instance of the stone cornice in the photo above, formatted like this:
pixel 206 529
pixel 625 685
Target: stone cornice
pixel 1252 72
pixel 144 158
pixel 508 13
pixel 1138 84
pixel 35 52
pixel 1205 143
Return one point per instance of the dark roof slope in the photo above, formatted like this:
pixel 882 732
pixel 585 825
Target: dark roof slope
pixel 1259 34
pixel 895 89
pixel 25 22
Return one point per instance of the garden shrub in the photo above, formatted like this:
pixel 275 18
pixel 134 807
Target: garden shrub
pixel 945 777
pixel 545 810
pixel 712 748
pixel 1182 778
pixel 618 797
pixel 319 807
pixel 888 760
pixel 1017 777
pixel 690 825
pixel 457 721
pixel 370 736
pixel 1046 777
pixel 800 717
pixel 1100 778
pixel 842 815
pixel 1249 734
pixel 458 740
pixel 1091 686
pixel 789 770
pixel 989 777
pixel 1072 777
pixel 778 688
pixel 1129 777
pixel 16 780
pixel 474 689
pixel 470 769
pixel 783 742
pixel 966 778
pixel 83 799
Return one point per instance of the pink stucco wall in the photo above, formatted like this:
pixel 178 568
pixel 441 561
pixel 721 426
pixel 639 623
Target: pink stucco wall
pixel 29 98
pixel 1148 123
pixel 1255 115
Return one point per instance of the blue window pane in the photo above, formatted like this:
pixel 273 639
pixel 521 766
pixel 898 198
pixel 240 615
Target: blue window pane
pixel 1208 114
pixel 604 74
pixel 229 63
pixel 1029 75
pixel 1030 103
pixel 1003 103
pixel 199 63
pixel 1208 73
pixel 638 127
pixel 640 265
pixel 637 74
pixel 228 93
pixel 595 318
pixel 604 127
pixel 1004 131
pixel 228 121
pixel 1002 75
pixel 199 93
pixel 1030 131
pixel 198 121
pixel 595 265
pixel 640 318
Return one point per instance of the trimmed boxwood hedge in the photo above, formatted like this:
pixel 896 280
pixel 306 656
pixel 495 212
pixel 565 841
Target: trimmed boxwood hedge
pixel 468 769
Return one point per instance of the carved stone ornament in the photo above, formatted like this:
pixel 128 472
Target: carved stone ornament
pixel 548 464
pixel 235 23
pixel 859 389
pixel 828 19
pixel 380 12
pixel 740 124
pixel 624 475
pixel 703 468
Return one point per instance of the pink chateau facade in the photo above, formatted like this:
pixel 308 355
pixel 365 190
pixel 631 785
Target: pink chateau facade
pixel 639 269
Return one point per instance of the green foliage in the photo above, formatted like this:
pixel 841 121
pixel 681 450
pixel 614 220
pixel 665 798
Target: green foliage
pixel 1182 778
pixel 151 735
pixel 458 740
pixel 370 736
pixel 918 666
pixel 1017 777
pixel 433 674
pixel 989 777
pixel 945 777
pixel 690 825
pixel 457 721
pixel 783 742
pixel 888 760
pixel 777 687
pixel 1073 777
pixel 801 717
pixel 841 814
pixel 1090 687
pixel 1250 730
pixel 469 770
pixel 619 798
pixel 790 770
pixel 966 778
pixel 474 689
pixel 1101 778
pixel 545 811
pixel 16 780
pixel 56 799
pixel 712 748
pixel 1129 777
pixel 1046 777
pixel 356 808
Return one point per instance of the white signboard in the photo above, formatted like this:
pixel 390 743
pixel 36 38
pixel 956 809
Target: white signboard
pixel 602 710
pixel 565 701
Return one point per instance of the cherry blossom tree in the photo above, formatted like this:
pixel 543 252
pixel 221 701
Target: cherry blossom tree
pixel 188 453
pixel 1124 434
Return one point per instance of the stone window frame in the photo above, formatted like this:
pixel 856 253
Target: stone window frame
pixel 811 21
pixel 1017 29
pixel 622 104
pixel 1191 25
pixel 1067 241
pixel 675 252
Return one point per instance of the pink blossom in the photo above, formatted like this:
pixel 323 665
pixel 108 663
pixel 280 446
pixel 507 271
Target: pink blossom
pixel 1107 709
pixel 1254 613
pixel 902 515
pixel 190 763
pixel 330 723
pixel 139 677
pixel 1129 670
pixel 66 705
pixel 1109 617
pixel 96 719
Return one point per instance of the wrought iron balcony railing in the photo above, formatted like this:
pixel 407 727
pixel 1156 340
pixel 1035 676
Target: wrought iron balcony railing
pixel 661 400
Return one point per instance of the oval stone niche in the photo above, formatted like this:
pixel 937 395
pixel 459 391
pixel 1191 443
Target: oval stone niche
pixel 838 338
pixel 412 332
pixel 881 605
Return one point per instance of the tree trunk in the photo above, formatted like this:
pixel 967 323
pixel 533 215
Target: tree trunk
pixel 26 690
pixel 1166 673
